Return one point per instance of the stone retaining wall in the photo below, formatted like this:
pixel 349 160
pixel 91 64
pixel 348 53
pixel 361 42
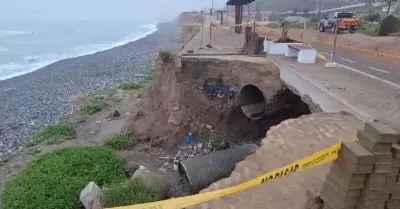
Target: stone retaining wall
pixel 366 174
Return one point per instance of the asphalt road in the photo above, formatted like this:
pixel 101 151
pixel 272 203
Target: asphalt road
pixel 360 62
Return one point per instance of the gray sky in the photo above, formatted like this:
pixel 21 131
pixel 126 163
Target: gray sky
pixel 105 9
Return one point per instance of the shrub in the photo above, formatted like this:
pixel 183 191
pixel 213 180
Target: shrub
pixel 219 141
pixel 130 86
pixel 122 141
pixel 56 179
pixel 128 193
pixel 376 17
pixel 369 29
pixel 150 75
pixel 389 25
pixel 52 133
pixel 97 104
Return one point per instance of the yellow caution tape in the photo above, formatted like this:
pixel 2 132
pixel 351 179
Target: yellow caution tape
pixel 324 156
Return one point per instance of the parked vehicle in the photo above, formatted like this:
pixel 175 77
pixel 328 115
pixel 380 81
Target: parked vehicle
pixel 341 21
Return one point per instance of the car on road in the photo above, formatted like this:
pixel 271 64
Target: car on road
pixel 341 21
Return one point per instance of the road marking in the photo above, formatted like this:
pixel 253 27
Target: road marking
pixel 351 61
pixel 328 54
pixel 369 75
pixel 380 70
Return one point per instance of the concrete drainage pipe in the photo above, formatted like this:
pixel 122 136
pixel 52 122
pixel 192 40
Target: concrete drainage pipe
pixel 202 171
pixel 252 102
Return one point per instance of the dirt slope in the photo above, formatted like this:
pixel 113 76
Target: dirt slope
pixel 181 101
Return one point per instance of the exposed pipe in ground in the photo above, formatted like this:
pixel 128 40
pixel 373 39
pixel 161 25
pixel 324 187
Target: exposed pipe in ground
pixel 252 102
pixel 202 171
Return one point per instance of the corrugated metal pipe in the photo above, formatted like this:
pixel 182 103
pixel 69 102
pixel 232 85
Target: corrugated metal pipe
pixel 202 171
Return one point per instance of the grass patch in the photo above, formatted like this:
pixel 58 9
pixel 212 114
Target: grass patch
pixel 56 179
pixel 150 75
pixel 369 29
pixel 122 141
pixel 95 105
pixel 130 86
pixel 128 193
pixel 219 141
pixel 52 133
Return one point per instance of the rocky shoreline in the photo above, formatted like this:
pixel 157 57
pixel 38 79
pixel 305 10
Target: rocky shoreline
pixel 30 101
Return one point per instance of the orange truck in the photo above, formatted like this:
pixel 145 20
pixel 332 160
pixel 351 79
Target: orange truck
pixel 341 21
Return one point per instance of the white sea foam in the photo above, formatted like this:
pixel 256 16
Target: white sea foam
pixel 31 63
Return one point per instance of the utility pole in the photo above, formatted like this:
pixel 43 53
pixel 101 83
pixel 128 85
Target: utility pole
pixel 212 8
pixel 389 5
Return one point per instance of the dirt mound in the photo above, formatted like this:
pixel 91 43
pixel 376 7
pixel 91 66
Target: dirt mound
pixel 201 95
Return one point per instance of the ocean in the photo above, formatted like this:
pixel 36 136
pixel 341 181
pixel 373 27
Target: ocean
pixel 27 45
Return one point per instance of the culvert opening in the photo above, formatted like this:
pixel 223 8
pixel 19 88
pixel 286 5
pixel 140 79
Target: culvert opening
pixel 252 102
pixel 243 129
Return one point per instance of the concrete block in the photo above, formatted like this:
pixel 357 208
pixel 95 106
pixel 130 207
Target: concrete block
pixel 396 150
pixel 346 185
pixel 395 195
pixel 393 204
pixel 368 202
pixel 314 196
pixel 380 205
pixel 381 132
pixel 374 186
pixel 384 197
pixel 389 186
pixel 383 158
pixel 396 162
pixel 372 145
pixel 377 177
pixel 356 153
pixel 339 192
pixel 369 194
pixel 350 167
pixel 344 174
pixel 394 171
pixel 382 168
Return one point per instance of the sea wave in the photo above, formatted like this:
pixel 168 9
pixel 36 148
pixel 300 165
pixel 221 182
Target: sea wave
pixel 31 63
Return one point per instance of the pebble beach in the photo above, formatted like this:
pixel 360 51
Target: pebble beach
pixel 30 101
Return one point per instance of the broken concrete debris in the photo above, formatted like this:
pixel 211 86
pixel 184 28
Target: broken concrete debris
pixel 89 194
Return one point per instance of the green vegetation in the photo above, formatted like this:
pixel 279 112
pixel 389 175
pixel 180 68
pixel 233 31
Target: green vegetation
pixel 128 193
pixel 56 179
pixel 52 134
pixel 122 141
pixel 389 25
pixel 130 86
pixel 150 73
pixel 219 141
pixel 95 105
pixel 369 29
pixel 375 17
